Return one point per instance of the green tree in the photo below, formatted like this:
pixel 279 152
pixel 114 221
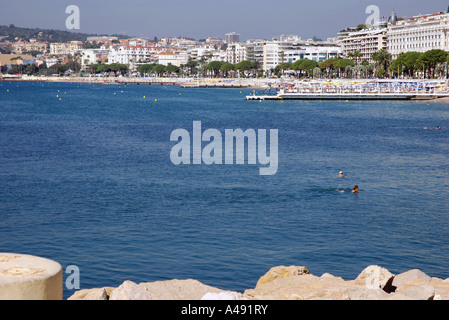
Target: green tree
pixel 226 68
pixel 214 67
pixel 286 66
pixel 329 66
pixel 170 69
pixel 243 66
pixel 145 68
pixel 159 69
pixel 432 58
pixel 343 65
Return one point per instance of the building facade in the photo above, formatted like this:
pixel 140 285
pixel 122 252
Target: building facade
pixel 235 53
pixel 419 34
pixel 367 42
pixel 277 52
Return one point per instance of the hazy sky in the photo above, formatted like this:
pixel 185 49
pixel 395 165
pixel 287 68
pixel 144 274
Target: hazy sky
pixel 202 18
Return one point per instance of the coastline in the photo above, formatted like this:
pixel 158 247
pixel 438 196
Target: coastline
pixel 183 82
pixel 264 84
pixel 287 283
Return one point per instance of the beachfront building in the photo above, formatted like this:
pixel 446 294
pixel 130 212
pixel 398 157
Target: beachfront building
pixel 235 53
pixel 175 58
pixel 136 54
pixel 292 49
pixel 420 34
pixel 365 41
pixel 254 50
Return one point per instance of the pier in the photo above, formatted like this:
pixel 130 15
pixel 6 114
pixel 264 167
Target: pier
pixel 359 90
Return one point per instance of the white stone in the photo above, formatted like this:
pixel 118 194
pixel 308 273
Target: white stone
pixel 129 290
pixel 375 277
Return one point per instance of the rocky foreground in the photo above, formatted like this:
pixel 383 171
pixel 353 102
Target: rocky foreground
pixel 287 283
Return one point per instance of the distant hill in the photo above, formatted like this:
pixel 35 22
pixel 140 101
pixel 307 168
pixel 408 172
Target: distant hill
pixel 47 35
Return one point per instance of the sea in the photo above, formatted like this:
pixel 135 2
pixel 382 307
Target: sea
pixel 87 180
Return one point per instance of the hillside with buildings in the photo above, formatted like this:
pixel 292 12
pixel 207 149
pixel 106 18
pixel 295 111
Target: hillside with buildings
pixel 415 47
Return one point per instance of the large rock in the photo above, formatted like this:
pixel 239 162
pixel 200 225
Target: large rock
pixel 303 287
pixel 441 288
pixel 92 294
pixel 363 293
pixel 282 272
pixel 408 277
pixel 413 292
pixel 129 290
pixel 375 277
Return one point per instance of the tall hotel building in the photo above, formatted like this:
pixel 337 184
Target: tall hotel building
pixel 420 33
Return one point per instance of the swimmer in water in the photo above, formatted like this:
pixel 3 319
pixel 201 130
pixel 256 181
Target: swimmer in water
pixel 356 189
pixel 340 174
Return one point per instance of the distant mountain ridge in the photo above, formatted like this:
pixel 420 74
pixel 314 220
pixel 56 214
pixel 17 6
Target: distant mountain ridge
pixel 46 35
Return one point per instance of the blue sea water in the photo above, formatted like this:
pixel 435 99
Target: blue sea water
pixel 87 180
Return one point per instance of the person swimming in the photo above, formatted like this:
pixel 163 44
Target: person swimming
pixel 355 189
pixel 340 174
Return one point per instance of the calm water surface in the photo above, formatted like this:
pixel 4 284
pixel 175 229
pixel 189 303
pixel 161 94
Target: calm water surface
pixel 87 180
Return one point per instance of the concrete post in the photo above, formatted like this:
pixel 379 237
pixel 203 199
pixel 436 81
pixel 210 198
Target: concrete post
pixel 27 277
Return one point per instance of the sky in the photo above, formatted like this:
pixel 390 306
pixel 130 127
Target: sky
pixel 199 19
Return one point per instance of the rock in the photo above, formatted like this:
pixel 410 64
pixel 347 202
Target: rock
pixel 363 293
pixel 282 272
pixel 375 277
pixel 441 288
pixel 129 290
pixel 416 292
pixel 178 289
pixel 287 283
pixel 158 290
pixel 92 294
pixel 224 295
pixel 305 287
pixel 328 275
pixel 409 277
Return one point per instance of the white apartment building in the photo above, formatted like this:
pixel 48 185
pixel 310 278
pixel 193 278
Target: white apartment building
pixel 135 54
pixel 235 53
pixel 166 57
pixel 277 52
pixel 367 42
pixel 419 33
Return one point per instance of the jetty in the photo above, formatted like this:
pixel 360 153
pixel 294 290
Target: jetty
pixel 358 90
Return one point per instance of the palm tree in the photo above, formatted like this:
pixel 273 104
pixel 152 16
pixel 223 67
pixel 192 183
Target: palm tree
pixel 382 58
pixel 355 56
